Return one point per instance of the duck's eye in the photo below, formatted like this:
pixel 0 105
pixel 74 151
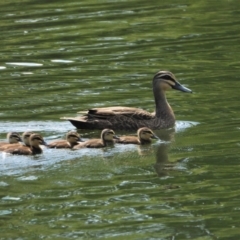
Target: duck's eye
pixel 167 77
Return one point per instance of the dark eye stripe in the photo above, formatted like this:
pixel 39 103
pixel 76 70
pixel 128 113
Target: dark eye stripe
pixel 167 77
pixel 73 136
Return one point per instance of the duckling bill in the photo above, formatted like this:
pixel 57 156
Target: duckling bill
pixel 128 118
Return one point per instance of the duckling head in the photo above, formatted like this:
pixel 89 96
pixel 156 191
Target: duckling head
pixel 146 134
pixel 73 137
pixel 36 140
pixel 108 135
pixel 14 137
pixel 166 80
pixel 25 137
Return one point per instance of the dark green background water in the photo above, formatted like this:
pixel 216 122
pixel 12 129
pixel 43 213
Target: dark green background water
pixel 60 57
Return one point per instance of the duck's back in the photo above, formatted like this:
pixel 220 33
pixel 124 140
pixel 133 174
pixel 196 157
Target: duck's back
pixel 128 140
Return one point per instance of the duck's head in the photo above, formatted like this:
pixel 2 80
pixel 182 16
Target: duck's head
pixel 146 134
pixel 108 135
pixel 14 137
pixel 25 137
pixel 165 80
pixel 36 140
pixel 73 137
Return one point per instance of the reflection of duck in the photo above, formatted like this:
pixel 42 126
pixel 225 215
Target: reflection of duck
pixel 72 139
pixel 144 136
pixel 12 138
pixel 163 164
pixel 107 137
pixel 35 141
pixel 127 118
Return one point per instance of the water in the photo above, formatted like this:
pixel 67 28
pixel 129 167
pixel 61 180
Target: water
pixel 60 58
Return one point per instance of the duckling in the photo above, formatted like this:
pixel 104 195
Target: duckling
pixel 25 136
pixel 107 137
pixel 13 138
pixel 35 141
pixel 128 118
pixel 144 136
pixel 72 139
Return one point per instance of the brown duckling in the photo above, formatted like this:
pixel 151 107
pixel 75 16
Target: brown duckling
pixel 13 138
pixel 144 136
pixel 35 141
pixel 128 118
pixel 72 139
pixel 26 137
pixel 107 138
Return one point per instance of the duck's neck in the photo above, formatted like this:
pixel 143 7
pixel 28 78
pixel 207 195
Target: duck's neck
pixel 36 150
pixel 163 109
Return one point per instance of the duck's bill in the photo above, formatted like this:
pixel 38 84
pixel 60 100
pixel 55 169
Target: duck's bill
pixel 180 87
pixel 116 137
pixel 155 136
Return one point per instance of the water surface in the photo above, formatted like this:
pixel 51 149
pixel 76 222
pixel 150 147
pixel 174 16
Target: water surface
pixel 58 58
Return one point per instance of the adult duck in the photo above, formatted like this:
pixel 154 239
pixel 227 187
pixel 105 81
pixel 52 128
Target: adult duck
pixel 128 118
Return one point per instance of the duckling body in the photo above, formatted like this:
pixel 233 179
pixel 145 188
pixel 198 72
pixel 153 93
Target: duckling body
pixel 13 138
pixel 127 118
pixel 35 141
pixel 144 136
pixel 72 139
pixel 107 138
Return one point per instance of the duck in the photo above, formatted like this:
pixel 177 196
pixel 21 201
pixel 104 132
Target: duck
pixel 35 141
pixel 107 138
pixel 144 136
pixel 130 118
pixel 12 138
pixel 72 139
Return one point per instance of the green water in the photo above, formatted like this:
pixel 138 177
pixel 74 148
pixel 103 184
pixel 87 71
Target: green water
pixel 60 57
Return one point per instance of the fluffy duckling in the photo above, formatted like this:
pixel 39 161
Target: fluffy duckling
pixel 35 141
pixel 26 137
pixel 107 137
pixel 144 136
pixel 72 139
pixel 13 138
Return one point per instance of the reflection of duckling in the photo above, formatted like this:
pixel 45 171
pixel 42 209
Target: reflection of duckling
pixel 72 139
pixel 144 136
pixel 13 138
pixel 127 118
pixel 107 137
pixel 35 141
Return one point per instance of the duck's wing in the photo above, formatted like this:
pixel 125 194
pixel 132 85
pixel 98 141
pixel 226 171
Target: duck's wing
pixel 108 112
pixel 119 118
